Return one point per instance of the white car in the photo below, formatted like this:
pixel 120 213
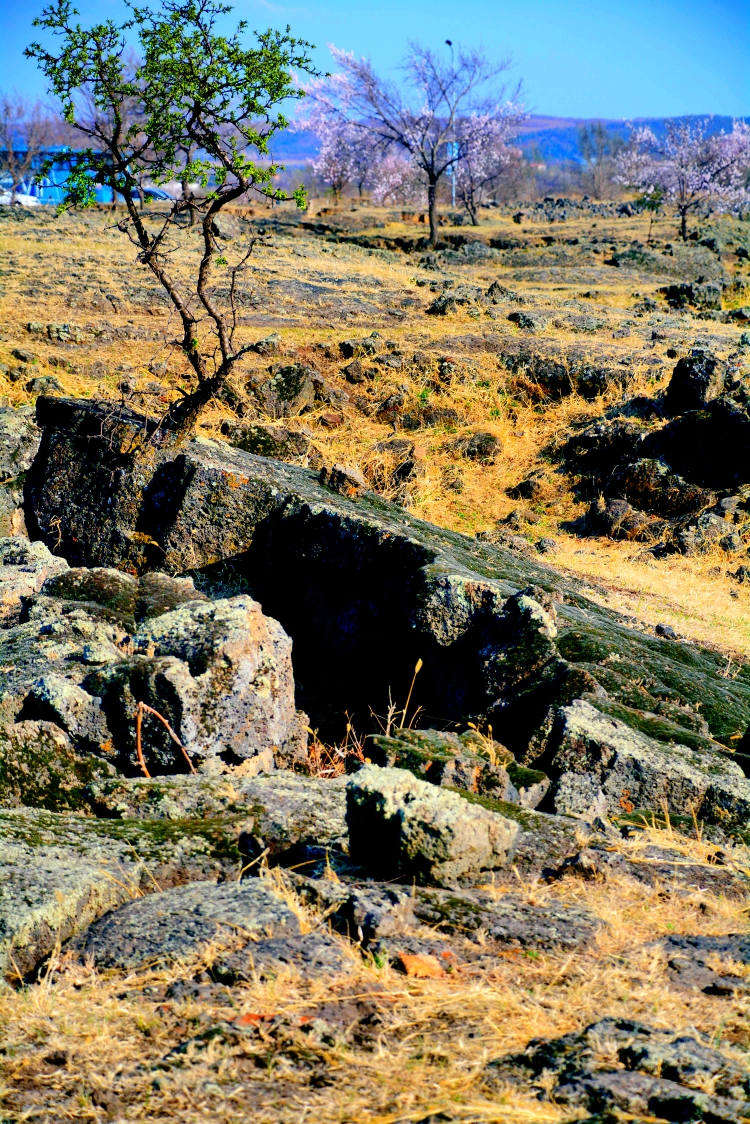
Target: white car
pixel 21 200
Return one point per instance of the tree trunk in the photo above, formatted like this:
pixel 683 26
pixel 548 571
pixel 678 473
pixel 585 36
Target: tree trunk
pixel 683 224
pixel 431 207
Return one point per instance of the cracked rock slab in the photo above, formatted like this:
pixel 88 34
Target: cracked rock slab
pixel 591 753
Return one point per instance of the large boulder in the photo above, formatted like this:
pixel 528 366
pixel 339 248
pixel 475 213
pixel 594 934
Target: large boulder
pixel 403 827
pixel 591 754
pixel 220 673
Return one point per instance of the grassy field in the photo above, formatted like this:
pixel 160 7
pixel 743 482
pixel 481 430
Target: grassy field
pixel 80 270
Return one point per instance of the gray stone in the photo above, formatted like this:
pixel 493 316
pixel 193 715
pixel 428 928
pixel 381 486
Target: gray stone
pixel 268 441
pixel 373 912
pixel 591 753
pixel 696 380
pixel 402 826
pixel 39 768
pixel 356 349
pixel 363 588
pixel 60 700
pixel 19 441
pixel 61 638
pixel 289 391
pixel 480 446
pixel 309 956
pixel 269 345
pixel 60 872
pixel 530 321
pixel 181 922
pixel 707 963
pixel 220 673
pixel 24 568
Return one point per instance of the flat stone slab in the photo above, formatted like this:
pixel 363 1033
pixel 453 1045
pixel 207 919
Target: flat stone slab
pixel 167 926
pixel 375 912
pixel 59 873
pixel 692 962
pixel 282 808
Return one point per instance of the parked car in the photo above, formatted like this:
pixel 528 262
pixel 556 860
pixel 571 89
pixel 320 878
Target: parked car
pixel 21 200
pixel 154 194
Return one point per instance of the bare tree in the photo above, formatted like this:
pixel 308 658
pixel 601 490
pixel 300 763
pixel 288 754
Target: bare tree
pixel 423 119
pixel 194 87
pixel 599 148
pixel 26 130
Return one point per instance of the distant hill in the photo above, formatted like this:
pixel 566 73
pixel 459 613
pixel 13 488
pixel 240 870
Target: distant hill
pixel 553 140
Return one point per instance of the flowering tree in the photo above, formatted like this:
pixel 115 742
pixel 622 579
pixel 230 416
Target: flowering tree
pixel 688 167
pixel 396 179
pixel 423 123
pixel 346 152
pixel 485 155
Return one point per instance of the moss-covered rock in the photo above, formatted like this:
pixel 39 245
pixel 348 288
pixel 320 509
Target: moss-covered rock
pixel 39 768
pixel 403 827
pixel 592 757
pixel 60 872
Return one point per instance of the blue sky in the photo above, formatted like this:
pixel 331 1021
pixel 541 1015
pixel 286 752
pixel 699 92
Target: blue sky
pixel 598 58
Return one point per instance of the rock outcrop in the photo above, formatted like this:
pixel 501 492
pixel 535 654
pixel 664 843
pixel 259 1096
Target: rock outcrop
pixel 365 590
pixel 590 754
pixel 621 1066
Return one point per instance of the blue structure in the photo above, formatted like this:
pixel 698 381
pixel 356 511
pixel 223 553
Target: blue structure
pixel 51 188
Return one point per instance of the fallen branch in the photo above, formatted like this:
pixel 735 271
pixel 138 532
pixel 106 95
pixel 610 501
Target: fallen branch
pixel 141 709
